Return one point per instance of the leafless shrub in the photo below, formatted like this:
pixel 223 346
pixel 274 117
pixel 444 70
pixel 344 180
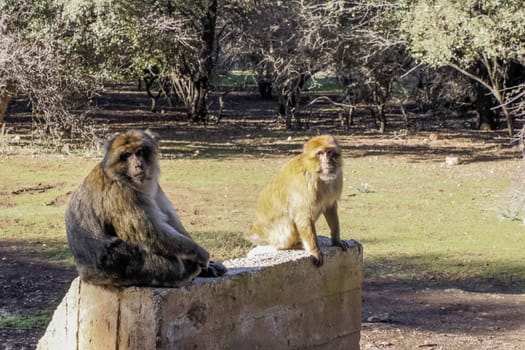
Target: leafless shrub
pixel 370 56
pixel 286 44
pixel 33 65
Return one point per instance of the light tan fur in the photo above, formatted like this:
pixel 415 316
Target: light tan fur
pixel 307 186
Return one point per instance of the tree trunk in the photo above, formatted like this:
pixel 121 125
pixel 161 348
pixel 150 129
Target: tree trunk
pixel 382 118
pixel 483 104
pixel 288 109
pixel 5 97
pixel 289 101
pixel 284 111
pixel 265 89
pixel 198 109
pixel 193 87
pixel 494 86
pixel 510 121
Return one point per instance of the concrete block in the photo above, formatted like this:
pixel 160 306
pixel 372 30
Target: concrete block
pixel 269 300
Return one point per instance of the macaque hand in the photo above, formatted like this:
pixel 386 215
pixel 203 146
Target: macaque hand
pixel 214 269
pixel 195 253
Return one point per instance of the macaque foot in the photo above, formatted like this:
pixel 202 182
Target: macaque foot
pixel 344 245
pixel 357 244
pixel 318 261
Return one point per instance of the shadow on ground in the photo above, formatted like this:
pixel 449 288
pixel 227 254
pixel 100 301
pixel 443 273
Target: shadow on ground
pixel 249 127
pixel 475 304
pixel 31 285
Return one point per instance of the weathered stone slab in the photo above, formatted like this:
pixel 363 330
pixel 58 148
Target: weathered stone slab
pixel 269 300
pixel 64 326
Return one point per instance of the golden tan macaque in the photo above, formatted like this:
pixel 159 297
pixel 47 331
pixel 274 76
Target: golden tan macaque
pixel 306 187
pixel 121 227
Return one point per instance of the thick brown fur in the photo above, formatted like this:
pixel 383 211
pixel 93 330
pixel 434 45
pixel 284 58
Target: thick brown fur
pixel 121 227
pixel 306 187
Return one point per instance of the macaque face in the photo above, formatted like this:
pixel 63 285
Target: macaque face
pixel 325 152
pixel 138 168
pixel 328 161
pixel 132 157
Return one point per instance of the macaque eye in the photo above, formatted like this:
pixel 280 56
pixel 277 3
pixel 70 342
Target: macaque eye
pixel 124 156
pixel 144 153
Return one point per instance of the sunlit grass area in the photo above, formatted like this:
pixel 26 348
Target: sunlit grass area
pixel 246 78
pixel 420 221
pixel 436 223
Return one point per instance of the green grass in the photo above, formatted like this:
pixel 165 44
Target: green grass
pixel 234 79
pixel 427 221
pixel 246 78
pixel 418 221
pixel 41 318
pixel 323 84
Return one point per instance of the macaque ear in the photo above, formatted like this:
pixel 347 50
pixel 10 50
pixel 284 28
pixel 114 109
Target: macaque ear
pixel 107 146
pixel 152 134
pixel 110 139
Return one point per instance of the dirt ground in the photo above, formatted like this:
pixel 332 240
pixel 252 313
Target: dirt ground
pixel 395 315
pixel 407 317
pixel 28 284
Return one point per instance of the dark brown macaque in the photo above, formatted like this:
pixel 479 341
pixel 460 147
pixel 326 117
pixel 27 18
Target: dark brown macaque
pixel 123 230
